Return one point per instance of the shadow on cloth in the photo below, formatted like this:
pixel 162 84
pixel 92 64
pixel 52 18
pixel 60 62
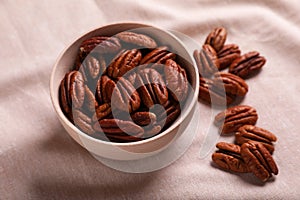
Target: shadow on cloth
pixel 119 185
pixel 246 177
pixel 70 172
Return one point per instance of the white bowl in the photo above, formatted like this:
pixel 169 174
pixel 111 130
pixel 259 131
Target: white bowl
pixel 131 150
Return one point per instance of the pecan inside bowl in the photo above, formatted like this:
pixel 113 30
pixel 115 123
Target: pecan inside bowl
pixel 105 85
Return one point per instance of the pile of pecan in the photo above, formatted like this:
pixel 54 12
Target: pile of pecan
pixel 253 148
pixel 215 55
pixel 123 88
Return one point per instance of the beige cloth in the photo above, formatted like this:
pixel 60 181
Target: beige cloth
pixel 38 160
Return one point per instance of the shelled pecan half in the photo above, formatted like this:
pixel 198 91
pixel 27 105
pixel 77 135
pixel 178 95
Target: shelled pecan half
pixel 228 54
pixel 124 62
pixel 92 68
pixel 176 80
pixel 158 56
pixel 253 133
pixel 83 121
pixel 228 157
pixel 209 95
pixel 232 84
pixel 150 86
pixel 71 92
pixel 247 65
pixel 217 38
pixel 119 130
pixel 207 61
pixel 231 119
pixel 259 160
pixel 143 118
pixel 100 44
pixel 138 39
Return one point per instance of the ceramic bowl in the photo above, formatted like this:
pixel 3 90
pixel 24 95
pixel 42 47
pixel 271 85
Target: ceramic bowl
pixel 130 150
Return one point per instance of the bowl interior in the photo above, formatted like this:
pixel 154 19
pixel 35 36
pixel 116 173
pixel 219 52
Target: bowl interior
pixel 67 58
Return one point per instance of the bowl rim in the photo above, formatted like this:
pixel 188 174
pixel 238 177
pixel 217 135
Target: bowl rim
pixel 177 123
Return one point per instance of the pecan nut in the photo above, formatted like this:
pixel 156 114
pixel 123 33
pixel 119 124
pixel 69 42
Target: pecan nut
pixel 252 133
pixel 210 95
pixel 232 84
pixel 71 92
pixel 176 80
pixel 222 89
pixel 167 114
pixel 158 56
pixel 83 122
pixel 90 102
pixel 143 118
pixel 247 65
pixel 102 111
pixel 79 59
pixel 124 62
pixel 228 54
pixel 211 54
pixel 92 67
pixel 121 94
pixel 259 160
pixel 217 38
pixel 206 60
pixel 100 44
pixel 152 130
pixel 206 93
pixel 101 91
pixel 119 130
pixel 151 87
pixel 228 157
pixel 231 119
pixel 137 39
pixel 65 99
